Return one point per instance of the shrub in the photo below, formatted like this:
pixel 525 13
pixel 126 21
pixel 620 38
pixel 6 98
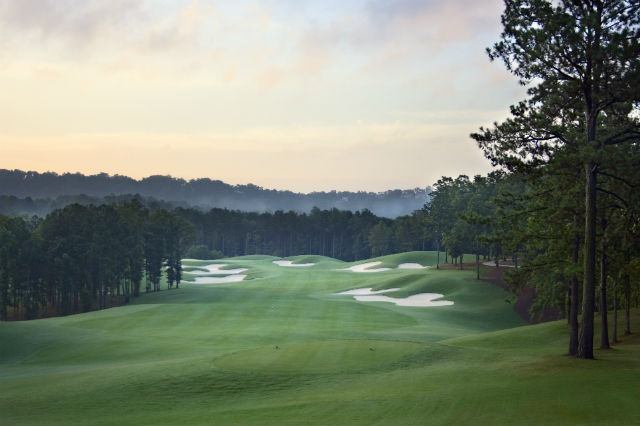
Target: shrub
pixel 202 252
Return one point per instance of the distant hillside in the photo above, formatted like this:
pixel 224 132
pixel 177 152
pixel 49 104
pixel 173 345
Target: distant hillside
pixel 204 193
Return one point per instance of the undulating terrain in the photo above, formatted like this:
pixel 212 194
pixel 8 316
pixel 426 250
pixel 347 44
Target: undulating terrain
pixel 281 347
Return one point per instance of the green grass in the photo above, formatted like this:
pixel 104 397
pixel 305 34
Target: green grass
pixel 206 354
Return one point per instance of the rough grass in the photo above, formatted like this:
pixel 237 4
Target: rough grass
pixel 206 354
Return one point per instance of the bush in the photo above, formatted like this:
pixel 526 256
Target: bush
pixel 202 252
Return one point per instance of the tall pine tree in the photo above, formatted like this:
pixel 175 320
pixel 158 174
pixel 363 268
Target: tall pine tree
pixel 581 61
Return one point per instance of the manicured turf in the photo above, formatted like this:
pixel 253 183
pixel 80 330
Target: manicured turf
pixel 282 348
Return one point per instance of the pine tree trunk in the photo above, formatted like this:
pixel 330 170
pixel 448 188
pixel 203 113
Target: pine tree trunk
pixel 585 342
pixel 567 306
pixel 574 295
pixel 627 304
pixel 615 310
pixel 604 336
pixel 76 297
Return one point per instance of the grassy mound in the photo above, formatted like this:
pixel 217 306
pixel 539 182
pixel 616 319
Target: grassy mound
pixel 317 259
pixel 207 355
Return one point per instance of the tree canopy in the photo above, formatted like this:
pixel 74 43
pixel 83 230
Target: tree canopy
pixel 581 63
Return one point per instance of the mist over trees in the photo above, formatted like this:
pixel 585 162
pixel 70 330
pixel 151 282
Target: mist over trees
pixel 10 205
pixel 34 192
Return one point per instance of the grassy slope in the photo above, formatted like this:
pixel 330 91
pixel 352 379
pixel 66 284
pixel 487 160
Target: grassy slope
pixel 205 354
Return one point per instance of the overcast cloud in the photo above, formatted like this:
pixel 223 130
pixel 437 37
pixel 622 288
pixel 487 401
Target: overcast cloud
pixel 341 95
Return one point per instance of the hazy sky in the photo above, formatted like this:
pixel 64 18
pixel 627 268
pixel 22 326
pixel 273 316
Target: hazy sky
pixel 301 95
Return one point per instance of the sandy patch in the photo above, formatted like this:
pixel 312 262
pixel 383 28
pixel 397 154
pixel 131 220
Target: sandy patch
pixel 216 280
pixel 289 263
pixel 411 266
pixel 214 268
pixel 499 264
pixel 366 291
pixel 421 300
pixel 364 267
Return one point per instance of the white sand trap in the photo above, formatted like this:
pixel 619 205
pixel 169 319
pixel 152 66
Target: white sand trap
pixel 214 268
pixel 411 266
pixel 289 263
pixel 420 300
pixel 217 280
pixel 366 291
pixel 364 267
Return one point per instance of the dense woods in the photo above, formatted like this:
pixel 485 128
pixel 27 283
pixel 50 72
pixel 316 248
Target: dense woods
pixel 39 193
pixel 575 141
pixel 82 258
pixel 340 234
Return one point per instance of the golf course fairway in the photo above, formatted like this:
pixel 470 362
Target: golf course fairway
pixel 281 347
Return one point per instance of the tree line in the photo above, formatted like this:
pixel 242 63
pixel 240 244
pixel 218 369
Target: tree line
pixel 82 258
pixel 32 190
pixel 564 203
pixel 340 234
pixel 85 257
pixel 10 205
pixel 574 142
pixel 533 222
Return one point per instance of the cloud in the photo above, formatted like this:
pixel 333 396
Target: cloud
pixel 248 92
pixel 313 56
pixel 425 23
pixel 98 29
pixel 80 22
pixel 433 20
pixel 270 78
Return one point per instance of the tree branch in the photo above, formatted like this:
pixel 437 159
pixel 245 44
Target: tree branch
pixel 614 195
pixel 626 182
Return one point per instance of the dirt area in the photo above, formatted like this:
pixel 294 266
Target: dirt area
pixel 525 299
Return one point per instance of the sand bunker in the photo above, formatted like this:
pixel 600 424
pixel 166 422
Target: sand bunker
pixel 421 299
pixel 217 280
pixel 411 266
pixel 232 275
pixel 364 267
pixel 367 267
pixel 214 268
pixel 289 263
pixel 366 291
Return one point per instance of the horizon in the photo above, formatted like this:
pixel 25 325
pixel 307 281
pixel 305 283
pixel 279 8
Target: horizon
pixel 139 179
pixel 307 97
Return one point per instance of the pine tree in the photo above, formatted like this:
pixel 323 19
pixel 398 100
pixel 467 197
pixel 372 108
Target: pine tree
pixel 581 61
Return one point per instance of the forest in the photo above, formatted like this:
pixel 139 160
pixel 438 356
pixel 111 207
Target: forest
pixel 38 193
pixel 575 141
pixel 81 258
